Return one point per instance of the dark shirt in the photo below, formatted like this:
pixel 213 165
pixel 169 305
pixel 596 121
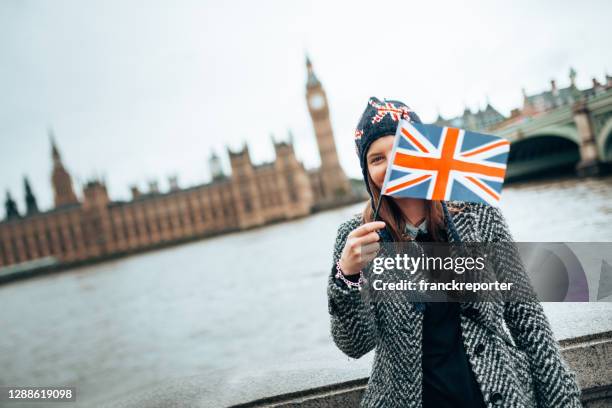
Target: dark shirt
pixel 448 380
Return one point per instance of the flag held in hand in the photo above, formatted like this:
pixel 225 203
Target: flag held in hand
pixel 445 163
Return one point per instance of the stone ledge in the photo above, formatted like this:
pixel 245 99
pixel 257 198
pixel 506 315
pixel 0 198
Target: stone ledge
pixel 590 356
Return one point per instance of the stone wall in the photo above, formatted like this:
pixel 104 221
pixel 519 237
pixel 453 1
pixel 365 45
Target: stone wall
pixel 590 356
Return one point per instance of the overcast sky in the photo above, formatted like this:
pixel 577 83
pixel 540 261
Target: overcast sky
pixel 137 91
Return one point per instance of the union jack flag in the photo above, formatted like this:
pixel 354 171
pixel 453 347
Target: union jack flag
pixel 446 163
pixel 387 108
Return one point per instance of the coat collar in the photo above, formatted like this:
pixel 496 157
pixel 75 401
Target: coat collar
pixel 464 218
pixel 413 231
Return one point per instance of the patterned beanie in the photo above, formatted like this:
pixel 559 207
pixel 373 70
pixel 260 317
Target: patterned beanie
pixel 379 119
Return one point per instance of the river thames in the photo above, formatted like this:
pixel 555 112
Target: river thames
pixel 252 301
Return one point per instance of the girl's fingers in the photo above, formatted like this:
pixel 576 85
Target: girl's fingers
pixel 367 239
pixel 367 228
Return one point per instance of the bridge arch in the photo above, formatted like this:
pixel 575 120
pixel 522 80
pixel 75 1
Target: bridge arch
pixel 544 154
pixel 568 132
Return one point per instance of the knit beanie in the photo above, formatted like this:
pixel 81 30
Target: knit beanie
pixel 379 119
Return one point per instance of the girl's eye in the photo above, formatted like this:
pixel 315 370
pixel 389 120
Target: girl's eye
pixel 376 159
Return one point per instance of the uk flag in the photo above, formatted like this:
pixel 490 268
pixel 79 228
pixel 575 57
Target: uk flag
pixel 444 163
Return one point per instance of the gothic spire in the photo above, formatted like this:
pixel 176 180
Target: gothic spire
pixel 60 178
pixel 11 207
pixel 572 77
pixel 216 170
pixel 312 79
pixel 54 150
pixel 30 199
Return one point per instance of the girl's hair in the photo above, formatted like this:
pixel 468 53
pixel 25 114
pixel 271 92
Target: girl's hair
pixel 391 214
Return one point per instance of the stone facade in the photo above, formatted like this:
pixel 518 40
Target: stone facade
pixel 474 121
pixel 96 226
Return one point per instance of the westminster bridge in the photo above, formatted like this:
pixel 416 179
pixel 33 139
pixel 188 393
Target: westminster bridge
pixel 576 137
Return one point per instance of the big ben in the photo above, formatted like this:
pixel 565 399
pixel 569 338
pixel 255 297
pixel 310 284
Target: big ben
pixel 334 182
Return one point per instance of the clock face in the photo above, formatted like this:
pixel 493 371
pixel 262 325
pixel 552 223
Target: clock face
pixel 316 101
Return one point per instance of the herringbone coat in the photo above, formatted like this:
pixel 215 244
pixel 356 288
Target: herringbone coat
pixel 510 345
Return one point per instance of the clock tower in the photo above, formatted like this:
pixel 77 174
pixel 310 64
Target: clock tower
pixel 333 181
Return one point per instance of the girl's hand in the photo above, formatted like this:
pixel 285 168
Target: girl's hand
pixel 361 247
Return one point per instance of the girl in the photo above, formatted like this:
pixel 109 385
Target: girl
pixel 437 355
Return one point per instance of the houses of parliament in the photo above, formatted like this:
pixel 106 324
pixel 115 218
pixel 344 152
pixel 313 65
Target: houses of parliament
pixel 95 227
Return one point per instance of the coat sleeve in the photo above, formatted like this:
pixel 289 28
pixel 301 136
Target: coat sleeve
pixel 353 327
pixel 554 382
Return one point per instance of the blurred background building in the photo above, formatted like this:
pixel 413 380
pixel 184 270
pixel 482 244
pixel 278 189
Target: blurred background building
pixel 253 195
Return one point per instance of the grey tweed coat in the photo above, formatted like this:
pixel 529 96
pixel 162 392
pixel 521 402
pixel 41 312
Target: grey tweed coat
pixel 510 345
